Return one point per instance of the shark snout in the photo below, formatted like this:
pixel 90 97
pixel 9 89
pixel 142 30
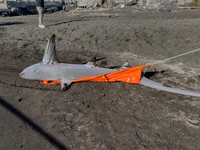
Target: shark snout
pixel 21 73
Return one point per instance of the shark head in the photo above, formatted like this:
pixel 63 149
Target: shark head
pixel 49 57
pixel 29 72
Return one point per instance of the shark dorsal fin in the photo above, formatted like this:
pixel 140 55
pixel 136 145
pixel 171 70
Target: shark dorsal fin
pixel 50 51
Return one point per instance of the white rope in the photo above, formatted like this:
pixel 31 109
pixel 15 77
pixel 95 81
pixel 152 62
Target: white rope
pixel 175 56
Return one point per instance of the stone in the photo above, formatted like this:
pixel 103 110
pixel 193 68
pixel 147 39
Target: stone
pixel 88 3
pixel 70 1
pixel 4 12
pixel 111 3
pixel 183 1
pixel 68 7
pixel 160 3
pixel 53 4
pixel 27 7
pixel 52 9
pixel 130 2
pixel 168 2
pixel 14 11
pixel 23 4
pixel 118 1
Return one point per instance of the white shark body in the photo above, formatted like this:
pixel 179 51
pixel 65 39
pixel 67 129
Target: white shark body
pixel 51 69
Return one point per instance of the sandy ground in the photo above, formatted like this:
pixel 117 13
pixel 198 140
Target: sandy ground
pixel 103 116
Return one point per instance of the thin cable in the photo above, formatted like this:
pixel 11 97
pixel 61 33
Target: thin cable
pixel 175 56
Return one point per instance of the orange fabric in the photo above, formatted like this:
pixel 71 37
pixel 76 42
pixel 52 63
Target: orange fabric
pixel 130 75
pixel 49 82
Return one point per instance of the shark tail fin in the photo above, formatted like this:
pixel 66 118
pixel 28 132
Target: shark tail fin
pixel 50 51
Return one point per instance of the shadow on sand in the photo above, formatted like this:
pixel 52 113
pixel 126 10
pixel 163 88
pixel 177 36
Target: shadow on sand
pixel 59 23
pixel 152 73
pixel 10 23
pixel 21 116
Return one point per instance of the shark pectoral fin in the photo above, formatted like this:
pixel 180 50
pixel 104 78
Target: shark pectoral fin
pixel 92 61
pixel 65 85
pixel 125 66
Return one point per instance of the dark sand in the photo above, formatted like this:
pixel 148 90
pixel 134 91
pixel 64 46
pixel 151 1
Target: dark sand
pixel 101 116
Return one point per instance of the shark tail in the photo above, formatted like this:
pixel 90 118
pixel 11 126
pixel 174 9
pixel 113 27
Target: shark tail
pixel 149 83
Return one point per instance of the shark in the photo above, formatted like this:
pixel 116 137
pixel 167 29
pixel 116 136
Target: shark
pixel 51 71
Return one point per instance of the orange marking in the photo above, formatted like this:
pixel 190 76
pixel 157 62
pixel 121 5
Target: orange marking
pixel 130 75
pixel 48 82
